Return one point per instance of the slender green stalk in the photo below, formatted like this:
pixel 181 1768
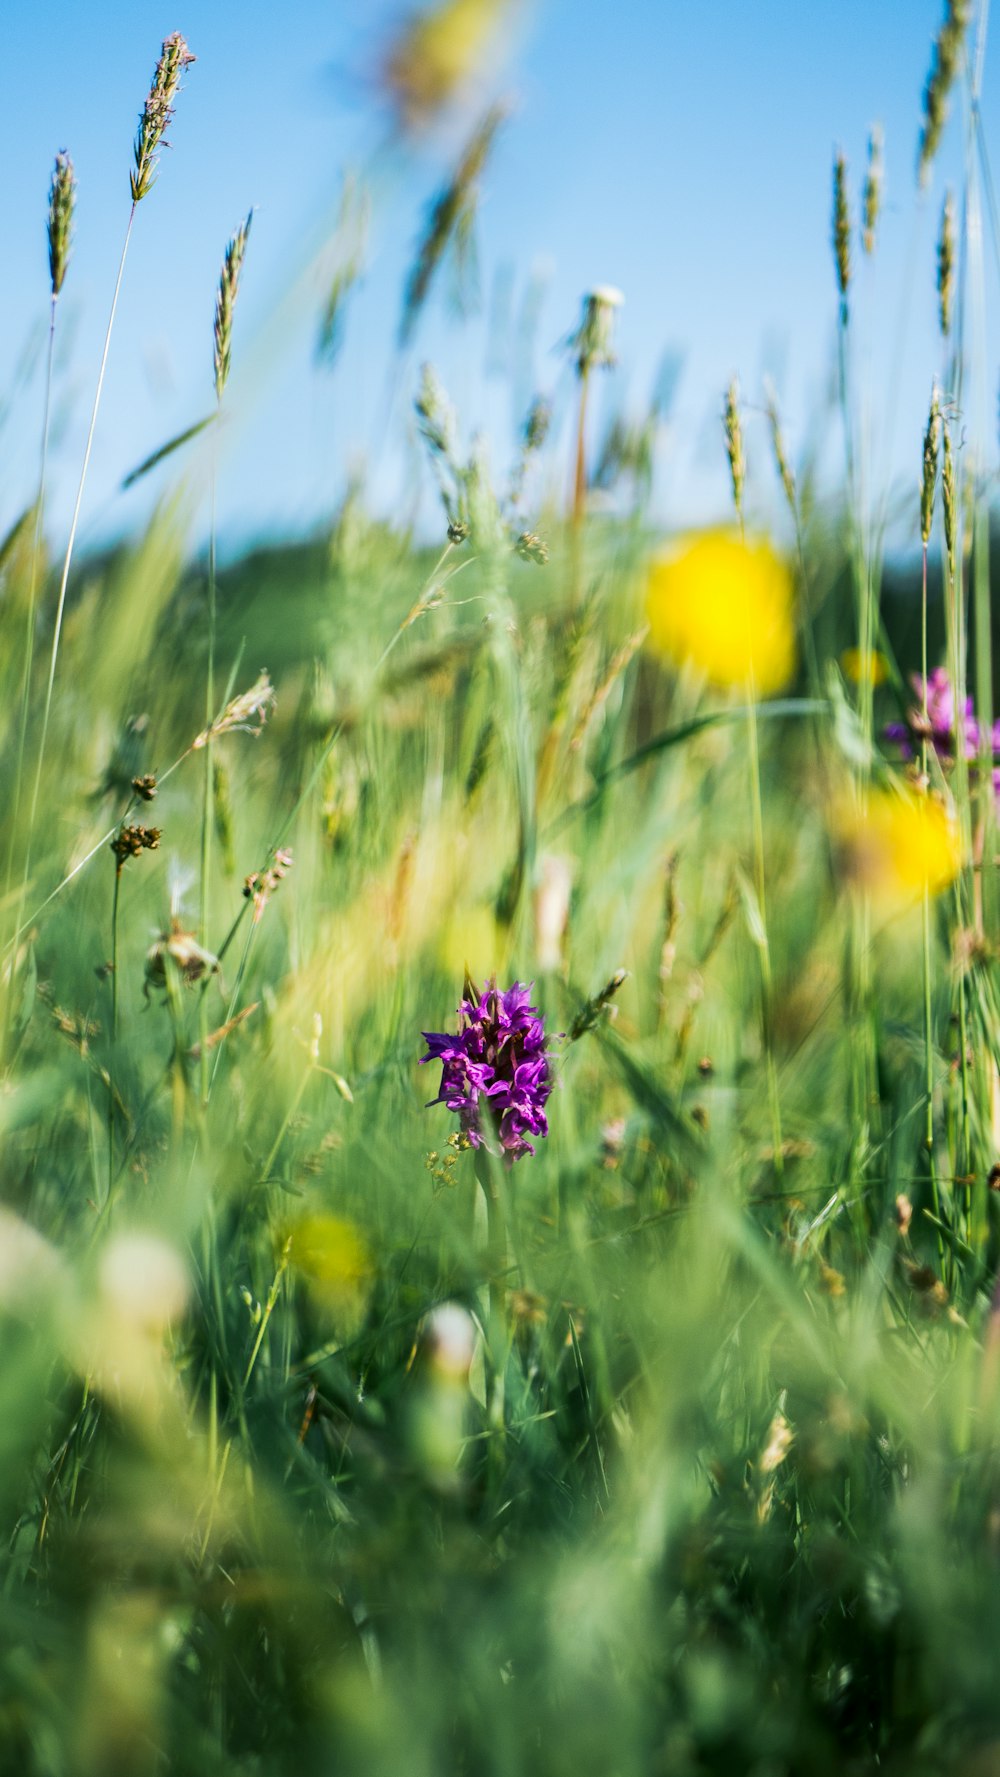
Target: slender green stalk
pixel 488 1172
pixel 29 639
pixel 268 1309
pixel 580 459
pixel 926 905
pixel 737 468
pixel 206 799
pixel 113 1046
pixel 70 544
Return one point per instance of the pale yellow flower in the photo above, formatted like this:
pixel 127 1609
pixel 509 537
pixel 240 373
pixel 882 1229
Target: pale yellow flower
pixel 726 608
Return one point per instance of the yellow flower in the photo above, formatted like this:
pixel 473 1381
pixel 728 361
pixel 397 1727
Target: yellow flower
pixel 726 607
pixel 851 663
pixel 897 845
pixel 435 54
pixel 333 1257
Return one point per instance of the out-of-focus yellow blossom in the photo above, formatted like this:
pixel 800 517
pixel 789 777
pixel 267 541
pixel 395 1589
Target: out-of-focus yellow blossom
pixel 725 607
pixel 436 53
pixel 897 844
pixel 332 1256
pixel 470 940
pixel 852 665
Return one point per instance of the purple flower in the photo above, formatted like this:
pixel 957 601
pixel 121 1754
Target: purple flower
pixel 941 725
pixel 496 1064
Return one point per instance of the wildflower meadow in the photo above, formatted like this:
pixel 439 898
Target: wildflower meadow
pixel 500 1038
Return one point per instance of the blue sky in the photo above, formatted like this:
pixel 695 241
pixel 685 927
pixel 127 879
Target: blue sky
pixel 680 152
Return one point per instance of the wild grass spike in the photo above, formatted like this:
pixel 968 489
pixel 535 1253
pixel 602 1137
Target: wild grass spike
pixel 871 197
pixel 451 219
pixel 225 302
pixel 949 498
pixel 841 232
pixel 784 468
pixel 734 443
pixel 930 465
pixel 946 263
pixel 62 202
pixel 157 112
pixel 945 59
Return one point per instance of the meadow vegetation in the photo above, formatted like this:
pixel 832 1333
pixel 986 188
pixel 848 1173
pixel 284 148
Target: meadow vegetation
pixel 339 1433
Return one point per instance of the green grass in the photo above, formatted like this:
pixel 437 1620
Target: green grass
pixel 721 1490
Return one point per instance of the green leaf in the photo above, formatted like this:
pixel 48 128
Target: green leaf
pixel 167 450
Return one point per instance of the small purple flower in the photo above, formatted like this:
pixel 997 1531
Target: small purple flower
pixel 941 726
pixel 497 1062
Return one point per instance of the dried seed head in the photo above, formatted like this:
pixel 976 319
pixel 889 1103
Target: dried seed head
pixel 157 112
pixel 145 787
pixel 261 884
pixel 225 302
pixel 945 59
pixel 180 950
pixel 593 342
pixel 245 714
pixel 841 232
pixel 435 414
pixel 734 443
pixel 531 548
pixel 130 841
pixel 930 465
pixel 946 263
pixel 871 197
pixel 949 501
pixel 62 199
pixel 778 446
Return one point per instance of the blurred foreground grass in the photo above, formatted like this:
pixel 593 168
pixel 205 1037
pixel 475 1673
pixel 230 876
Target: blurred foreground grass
pixel 742 1509
pixel 704 1477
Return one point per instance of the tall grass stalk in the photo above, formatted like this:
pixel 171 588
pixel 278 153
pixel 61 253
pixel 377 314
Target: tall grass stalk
pixel 70 545
pixel 737 467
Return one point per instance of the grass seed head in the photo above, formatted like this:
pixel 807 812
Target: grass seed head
pixel 734 443
pixel 451 220
pixel 130 841
pixel 225 302
pixel 945 60
pixel 592 345
pixel 532 548
pixel 931 441
pixel 871 197
pixel 245 714
pixel 949 498
pixel 782 464
pixel 841 232
pixel 157 112
pixel 62 201
pixel 946 263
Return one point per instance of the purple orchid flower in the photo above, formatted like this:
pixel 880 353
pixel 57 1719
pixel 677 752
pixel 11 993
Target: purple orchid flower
pixel 495 1069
